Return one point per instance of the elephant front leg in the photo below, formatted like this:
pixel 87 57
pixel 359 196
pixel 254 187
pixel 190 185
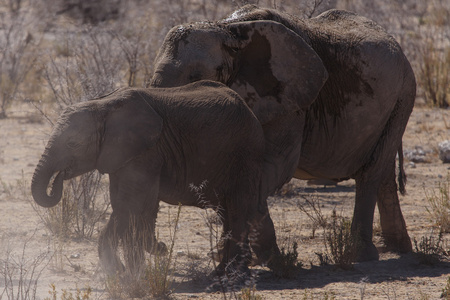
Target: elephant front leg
pixel 134 200
pixel 107 248
pixel 393 224
pixel 126 228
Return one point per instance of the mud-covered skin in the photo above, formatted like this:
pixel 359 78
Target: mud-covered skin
pixel 345 78
pixel 156 144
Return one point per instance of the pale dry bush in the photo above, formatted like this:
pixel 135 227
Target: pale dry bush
pixel 18 42
pixel 84 66
pixel 311 206
pixel 20 269
pixel 439 209
pixel 80 294
pixel 341 245
pixel 434 69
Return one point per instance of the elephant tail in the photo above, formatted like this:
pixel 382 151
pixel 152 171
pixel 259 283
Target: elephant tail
pixel 401 171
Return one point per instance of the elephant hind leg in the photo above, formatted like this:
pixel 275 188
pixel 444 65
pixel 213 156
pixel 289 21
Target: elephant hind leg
pixel 362 224
pixel 393 224
pixel 262 236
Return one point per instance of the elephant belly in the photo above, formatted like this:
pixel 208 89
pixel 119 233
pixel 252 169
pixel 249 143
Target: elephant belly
pixel 174 191
pixel 339 147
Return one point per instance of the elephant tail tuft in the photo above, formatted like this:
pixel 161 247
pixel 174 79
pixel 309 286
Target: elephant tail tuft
pixel 401 171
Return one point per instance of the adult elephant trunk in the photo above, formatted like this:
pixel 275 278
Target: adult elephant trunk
pixel 40 182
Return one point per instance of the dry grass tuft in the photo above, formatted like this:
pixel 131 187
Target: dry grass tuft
pixel 439 202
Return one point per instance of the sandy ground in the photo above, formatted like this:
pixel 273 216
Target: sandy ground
pixel 73 263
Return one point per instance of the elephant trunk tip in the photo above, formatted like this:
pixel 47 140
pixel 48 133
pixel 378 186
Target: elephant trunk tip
pixel 39 187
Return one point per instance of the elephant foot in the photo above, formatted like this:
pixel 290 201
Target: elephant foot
pixel 230 278
pixel 160 249
pixel 397 244
pixel 259 259
pixel 265 257
pixel 157 248
pixel 368 252
pixel 111 266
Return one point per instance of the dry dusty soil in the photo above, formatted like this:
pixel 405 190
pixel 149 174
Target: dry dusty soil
pixel 71 263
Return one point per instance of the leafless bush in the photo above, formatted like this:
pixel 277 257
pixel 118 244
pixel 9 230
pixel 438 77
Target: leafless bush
pixel 20 272
pixel 84 294
pixel 439 202
pixel 90 11
pixel 312 208
pixel 139 44
pixel 17 53
pixel 90 67
pixel 431 250
pixel 341 245
pixel 91 201
pixel 286 265
pixel 434 67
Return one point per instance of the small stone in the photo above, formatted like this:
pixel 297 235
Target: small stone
pixel 75 255
pixel 412 165
pixel 444 151
pixel 417 155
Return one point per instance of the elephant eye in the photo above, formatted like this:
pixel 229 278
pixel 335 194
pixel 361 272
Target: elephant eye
pixel 73 145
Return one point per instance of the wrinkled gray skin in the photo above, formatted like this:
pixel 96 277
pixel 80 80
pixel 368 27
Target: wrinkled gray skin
pixel 333 94
pixel 155 144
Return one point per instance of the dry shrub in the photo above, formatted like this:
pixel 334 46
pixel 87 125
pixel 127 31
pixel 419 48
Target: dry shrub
pixel 249 293
pixel 89 69
pixel 434 72
pixel 312 208
pixel 160 269
pixel 326 295
pixel 84 294
pixel 446 290
pixel 434 65
pixel 341 244
pixel 17 54
pixel 439 202
pixel 286 265
pixel 431 250
pixel 20 271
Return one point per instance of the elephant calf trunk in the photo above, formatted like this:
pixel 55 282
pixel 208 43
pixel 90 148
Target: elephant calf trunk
pixel 40 183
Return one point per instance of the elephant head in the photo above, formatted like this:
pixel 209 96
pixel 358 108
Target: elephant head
pixel 92 135
pixel 269 65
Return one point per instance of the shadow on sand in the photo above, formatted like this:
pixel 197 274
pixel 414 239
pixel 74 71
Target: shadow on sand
pixel 389 270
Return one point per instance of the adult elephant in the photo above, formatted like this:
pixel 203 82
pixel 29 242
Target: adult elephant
pixel 155 144
pixel 333 94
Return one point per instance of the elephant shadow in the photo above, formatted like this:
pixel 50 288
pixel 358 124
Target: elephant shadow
pixel 396 269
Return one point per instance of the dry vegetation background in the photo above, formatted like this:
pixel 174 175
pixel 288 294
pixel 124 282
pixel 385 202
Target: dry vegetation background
pixel 57 52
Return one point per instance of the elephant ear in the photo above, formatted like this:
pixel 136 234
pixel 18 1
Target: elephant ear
pixel 132 126
pixel 277 71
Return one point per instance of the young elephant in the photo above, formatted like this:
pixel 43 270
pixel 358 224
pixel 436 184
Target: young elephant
pixel 155 144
